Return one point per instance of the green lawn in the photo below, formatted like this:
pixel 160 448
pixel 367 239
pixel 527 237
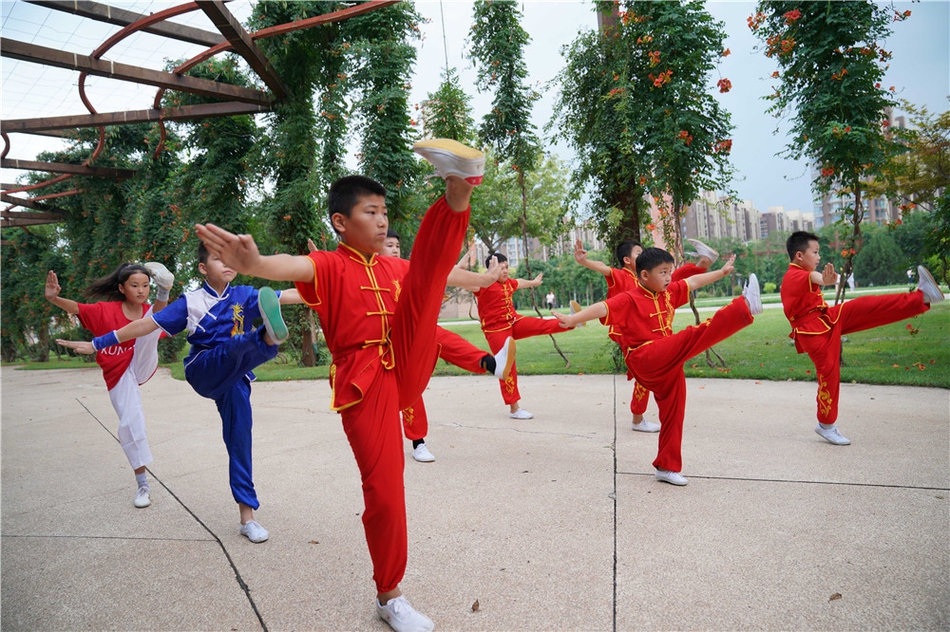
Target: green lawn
pixel 762 351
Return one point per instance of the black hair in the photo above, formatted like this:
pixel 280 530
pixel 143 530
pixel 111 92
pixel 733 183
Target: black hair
pixel 798 242
pixel 495 255
pixel 202 252
pixel 651 258
pixel 391 233
pixel 624 249
pixel 107 287
pixel 346 191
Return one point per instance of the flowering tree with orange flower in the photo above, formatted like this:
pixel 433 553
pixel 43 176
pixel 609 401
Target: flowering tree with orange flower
pixel 636 106
pixel 831 63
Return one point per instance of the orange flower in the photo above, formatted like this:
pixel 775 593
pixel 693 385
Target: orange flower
pixel 726 52
pixel 724 85
pixel 791 16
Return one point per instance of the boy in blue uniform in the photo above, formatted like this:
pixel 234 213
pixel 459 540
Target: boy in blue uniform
pixel 224 350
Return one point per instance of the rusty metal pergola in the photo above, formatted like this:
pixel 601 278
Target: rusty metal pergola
pixel 229 37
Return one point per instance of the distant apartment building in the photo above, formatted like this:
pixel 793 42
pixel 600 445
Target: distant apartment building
pixel 713 216
pixel 778 220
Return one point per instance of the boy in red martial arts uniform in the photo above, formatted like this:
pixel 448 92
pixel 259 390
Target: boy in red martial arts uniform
pixel 500 321
pixel 379 316
pixel 817 328
pixel 453 349
pixel 623 279
pixel 653 353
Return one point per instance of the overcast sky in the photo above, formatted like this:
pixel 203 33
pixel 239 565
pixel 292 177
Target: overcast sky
pixel 920 70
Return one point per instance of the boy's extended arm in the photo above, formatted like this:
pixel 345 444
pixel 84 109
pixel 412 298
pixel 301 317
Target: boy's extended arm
pixel 535 282
pixel 597 310
pixel 240 253
pixel 290 297
pixel 827 276
pixel 474 281
pixel 699 280
pixel 580 256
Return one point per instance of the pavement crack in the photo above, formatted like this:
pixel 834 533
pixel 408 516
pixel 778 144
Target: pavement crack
pixel 237 573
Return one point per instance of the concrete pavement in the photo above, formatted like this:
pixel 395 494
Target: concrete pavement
pixel 552 523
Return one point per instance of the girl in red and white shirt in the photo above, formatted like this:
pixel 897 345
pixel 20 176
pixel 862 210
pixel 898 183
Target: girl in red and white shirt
pixel 128 365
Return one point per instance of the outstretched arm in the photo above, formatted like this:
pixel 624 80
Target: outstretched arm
pixel 699 280
pixel 135 329
pixel 535 282
pixel 597 310
pixel 290 297
pixel 52 295
pixel 474 281
pixel 827 276
pixel 580 256
pixel 240 253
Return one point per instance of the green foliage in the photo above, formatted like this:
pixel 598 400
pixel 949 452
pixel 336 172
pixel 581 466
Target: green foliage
pixel 497 49
pixel 880 261
pixel 446 112
pixel 633 103
pixel 831 64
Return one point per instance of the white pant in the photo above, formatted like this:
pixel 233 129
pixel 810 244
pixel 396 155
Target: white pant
pixel 127 400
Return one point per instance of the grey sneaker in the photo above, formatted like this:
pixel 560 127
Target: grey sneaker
pixel 927 285
pixel 673 478
pixel 270 312
pixel 141 497
pixel 703 250
pixel 452 158
pixel 505 359
pixel 254 532
pixel 576 307
pixel 421 453
pixel 402 617
pixel 831 435
pixel 160 274
pixel 752 296
pixel 645 426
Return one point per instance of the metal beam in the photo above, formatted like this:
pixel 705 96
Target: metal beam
pixel 60 167
pixel 48 215
pixel 125 72
pixel 184 113
pixel 121 17
pixel 13 223
pixel 242 44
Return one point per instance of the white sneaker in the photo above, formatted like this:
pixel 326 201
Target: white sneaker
pixel 141 497
pixel 505 359
pixel 927 285
pixel 254 532
pixel 645 426
pixel 704 251
pixel 402 617
pixel 576 307
pixel 752 296
pixel 160 274
pixel 452 158
pixel 269 304
pixel 521 413
pixel 673 478
pixel 831 435
pixel 421 453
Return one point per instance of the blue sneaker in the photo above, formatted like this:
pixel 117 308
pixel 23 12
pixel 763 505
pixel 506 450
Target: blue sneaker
pixel 270 312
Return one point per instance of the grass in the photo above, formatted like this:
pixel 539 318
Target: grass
pixel 762 351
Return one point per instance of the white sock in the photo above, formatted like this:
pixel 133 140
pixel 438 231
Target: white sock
pixel 162 294
pixel 141 480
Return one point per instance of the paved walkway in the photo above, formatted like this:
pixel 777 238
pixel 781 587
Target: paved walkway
pixel 553 523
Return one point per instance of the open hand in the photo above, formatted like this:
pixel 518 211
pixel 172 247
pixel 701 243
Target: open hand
pixel 82 347
pixel 238 252
pixel 52 289
pixel 580 255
